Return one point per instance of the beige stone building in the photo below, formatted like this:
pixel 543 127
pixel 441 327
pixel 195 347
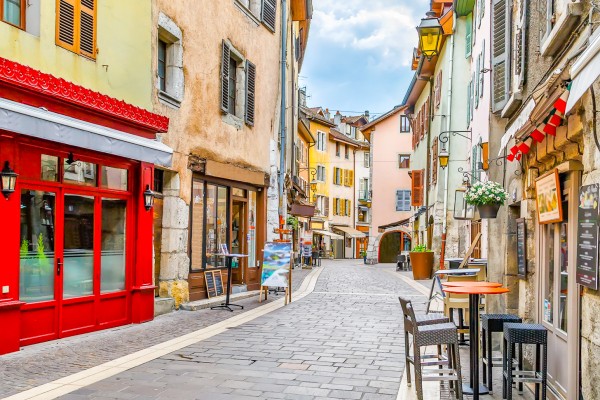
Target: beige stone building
pixel 219 80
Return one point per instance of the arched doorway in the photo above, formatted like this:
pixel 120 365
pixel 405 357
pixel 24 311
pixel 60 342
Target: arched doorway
pixel 392 243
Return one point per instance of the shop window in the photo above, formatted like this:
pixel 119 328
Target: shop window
pixel 13 12
pixel 112 275
pixel 76 26
pixel 238 192
pixel 37 246
pixel 79 172
pixel 159 180
pixel 49 166
pixel 114 178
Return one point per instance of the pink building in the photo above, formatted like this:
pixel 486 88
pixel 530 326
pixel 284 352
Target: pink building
pixel 391 149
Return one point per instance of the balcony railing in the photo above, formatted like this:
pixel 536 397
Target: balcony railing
pixel 364 195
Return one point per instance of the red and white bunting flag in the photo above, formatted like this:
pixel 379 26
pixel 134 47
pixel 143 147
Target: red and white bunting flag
pixel 510 157
pixel 538 134
pixel 550 129
pixel 561 103
pixel 518 157
pixel 525 146
pixel 514 150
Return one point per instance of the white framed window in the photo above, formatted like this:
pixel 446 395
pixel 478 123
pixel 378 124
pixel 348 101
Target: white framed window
pixel 367 163
pixel 321 141
pixel 403 161
pixel 404 124
pixel 402 200
pixel 320 173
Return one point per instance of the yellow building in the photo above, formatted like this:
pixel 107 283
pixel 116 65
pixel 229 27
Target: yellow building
pixel 98 48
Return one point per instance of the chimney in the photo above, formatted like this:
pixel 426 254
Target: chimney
pixel 367 115
pixel 326 113
pixel 302 97
pixel 337 118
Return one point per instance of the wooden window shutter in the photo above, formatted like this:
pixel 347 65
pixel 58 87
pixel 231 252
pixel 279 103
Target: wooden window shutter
pixel 417 188
pixel 326 199
pixel 469 36
pixel 226 55
pixel 520 46
pixel 476 81
pixel 87 28
pixel 482 66
pixel 434 167
pixel 351 180
pixel 349 208
pixel 66 24
pixel 250 92
pixel 485 155
pixel 269 13
pixel 501 34
pixel 469 98
pixel 334 206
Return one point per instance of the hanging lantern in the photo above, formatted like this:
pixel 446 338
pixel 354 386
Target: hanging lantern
pixel 462 210
pixel 444 158
pixel 430 35
pixel 148 198
pixel 9 180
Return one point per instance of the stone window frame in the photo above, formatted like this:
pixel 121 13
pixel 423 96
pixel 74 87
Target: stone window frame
pixel 172 35
pixel 252 8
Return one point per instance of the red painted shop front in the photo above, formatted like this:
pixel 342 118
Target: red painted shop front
pixel 76 237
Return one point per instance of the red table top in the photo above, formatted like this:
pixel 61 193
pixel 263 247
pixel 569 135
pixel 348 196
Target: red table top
pixel 471 284
pixel 476 290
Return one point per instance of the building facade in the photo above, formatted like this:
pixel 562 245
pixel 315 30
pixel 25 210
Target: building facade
pixel 76 127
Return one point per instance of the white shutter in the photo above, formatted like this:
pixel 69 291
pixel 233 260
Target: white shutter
pixel 482 67
pixel 501 34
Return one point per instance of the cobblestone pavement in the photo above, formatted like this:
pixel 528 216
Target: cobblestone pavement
pixel 45 362
pixel 343 341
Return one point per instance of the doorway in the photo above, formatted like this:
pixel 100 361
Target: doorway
pixel 558 292
pixel 239 233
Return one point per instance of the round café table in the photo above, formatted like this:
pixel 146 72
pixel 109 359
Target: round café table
pixel 474 290
pixel 471 284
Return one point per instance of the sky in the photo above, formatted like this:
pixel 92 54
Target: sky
pixel 359 53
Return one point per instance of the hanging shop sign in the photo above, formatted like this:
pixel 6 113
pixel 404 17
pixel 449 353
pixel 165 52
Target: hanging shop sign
pixel 548 198
pixel 587 236
pixel 521 248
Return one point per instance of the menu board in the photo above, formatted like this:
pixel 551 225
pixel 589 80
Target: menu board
pixel 214 283
pixel 218 282
pixel 521 248
pixel 587 236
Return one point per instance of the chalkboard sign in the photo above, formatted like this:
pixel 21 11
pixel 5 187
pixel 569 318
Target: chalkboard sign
pixel 210 284
pixel 218 282
pixel 587 236
pixel 521 248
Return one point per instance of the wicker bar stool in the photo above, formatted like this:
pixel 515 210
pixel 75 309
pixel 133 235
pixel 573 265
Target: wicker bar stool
pixel 431 330
pixel 521 334
pixel 492 323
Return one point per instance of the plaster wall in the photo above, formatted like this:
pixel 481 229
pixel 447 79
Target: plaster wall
pixel 123 66
pixel 318 157
pixel 340 191
pixel 387 142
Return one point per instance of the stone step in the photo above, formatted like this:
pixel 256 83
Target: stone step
pixel 163 305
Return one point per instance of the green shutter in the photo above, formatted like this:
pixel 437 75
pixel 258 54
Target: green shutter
pixel 469 35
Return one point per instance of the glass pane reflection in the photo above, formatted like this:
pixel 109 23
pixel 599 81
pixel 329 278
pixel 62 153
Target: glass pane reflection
pixel 78 279
pixel 112 277
pixel 37 246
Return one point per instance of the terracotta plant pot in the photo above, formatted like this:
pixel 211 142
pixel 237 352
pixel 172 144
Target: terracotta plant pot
pixel 422 264
pixel 488 210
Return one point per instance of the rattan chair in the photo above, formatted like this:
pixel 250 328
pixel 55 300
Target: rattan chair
pixel 431 330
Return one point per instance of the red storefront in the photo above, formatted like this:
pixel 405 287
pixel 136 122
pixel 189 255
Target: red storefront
pixel 76 236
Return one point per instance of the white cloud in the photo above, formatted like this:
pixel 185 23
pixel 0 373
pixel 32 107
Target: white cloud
pixel 382 30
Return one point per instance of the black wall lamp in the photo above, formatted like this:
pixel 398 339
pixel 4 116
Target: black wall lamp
pixel 313 183
pixel 9 180
pixel 430 35
pixel 443 137
pixel 148 198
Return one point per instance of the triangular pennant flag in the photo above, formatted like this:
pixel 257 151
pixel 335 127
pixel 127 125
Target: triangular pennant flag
pixel 561 103
pixel 538 134
pixel 550 129
pixel 510 157
pixel 555 119
pixel 525 146
pixel 518 157
pixel 514 150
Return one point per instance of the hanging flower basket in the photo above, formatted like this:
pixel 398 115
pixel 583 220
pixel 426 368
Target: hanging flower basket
pixel 488 197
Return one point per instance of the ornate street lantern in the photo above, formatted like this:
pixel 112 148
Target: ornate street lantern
pixel 443 157
pixel 462 210
pixel 9 180
pixel 148 198
pixel 430 35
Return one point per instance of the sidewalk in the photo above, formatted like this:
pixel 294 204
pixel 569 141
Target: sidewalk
pixel 442 388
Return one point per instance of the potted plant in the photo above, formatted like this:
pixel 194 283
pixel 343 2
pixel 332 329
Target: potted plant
pixel 421 260
pixel 488 197
pixel 292 222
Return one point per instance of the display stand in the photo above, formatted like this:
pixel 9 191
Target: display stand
pixel 288 290
pixel 227 305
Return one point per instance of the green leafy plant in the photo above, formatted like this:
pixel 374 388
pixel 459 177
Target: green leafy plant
pixel 483 193
pixel 420 248
pixel 363 253
pixel 42 259
pixel 292 221
pixel 24 248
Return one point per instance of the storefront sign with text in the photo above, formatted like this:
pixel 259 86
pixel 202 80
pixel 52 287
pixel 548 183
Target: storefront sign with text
pixel 587 236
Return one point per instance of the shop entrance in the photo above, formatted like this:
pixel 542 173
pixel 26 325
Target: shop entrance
pixel 558 292
pixel 239 233
pixel 73 249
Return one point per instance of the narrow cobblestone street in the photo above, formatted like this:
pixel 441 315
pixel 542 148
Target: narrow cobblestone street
pixel 344 340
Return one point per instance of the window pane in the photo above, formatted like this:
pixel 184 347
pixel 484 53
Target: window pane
pixel 49 168
pixel 112 276
pixel 197 224
pixel 238 192
pixel 79 246
pixel 162 64
pixel 12 12
pixel 549 284
pixel 37 246
pixel 79 173
pixel 564 275
pixel 251 229
pixel 114 178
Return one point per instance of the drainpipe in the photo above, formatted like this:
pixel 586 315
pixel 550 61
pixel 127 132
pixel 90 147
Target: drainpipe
pixel 282 127
pixel 354 205
pixel 448 128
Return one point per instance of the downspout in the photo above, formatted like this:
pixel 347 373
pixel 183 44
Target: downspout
pixel 354 205
pixel 282 128
pixel 448 128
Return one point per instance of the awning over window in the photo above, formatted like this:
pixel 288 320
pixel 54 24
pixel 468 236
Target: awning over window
pixel 327 233
pixel 38 122
pixel 351 232
pixel 302 210
pixel 584 72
